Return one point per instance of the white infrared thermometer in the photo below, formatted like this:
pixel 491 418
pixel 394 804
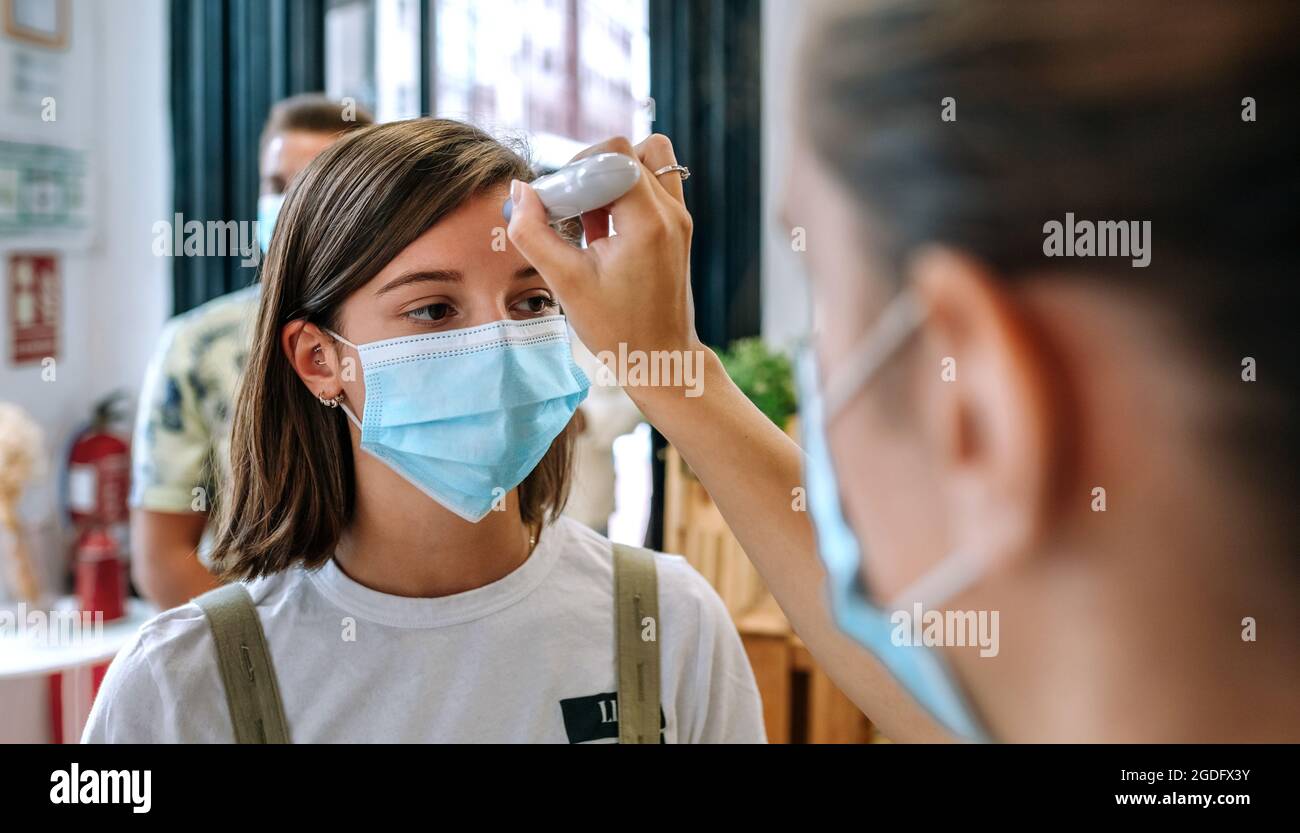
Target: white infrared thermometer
pixel 584 185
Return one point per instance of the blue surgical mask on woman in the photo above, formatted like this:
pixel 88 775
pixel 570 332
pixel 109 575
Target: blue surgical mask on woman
pixel 466 415
pixel 268 211
pixel 919 669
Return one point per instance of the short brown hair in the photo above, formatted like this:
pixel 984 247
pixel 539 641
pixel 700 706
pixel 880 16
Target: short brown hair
pixel 353 209
pixel 311 113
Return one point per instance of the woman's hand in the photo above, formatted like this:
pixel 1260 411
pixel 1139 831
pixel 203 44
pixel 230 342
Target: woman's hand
pixel 632 288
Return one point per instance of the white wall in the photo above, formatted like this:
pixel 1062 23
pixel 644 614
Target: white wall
pixel 116 293
pixel 785 303
pixel 132 296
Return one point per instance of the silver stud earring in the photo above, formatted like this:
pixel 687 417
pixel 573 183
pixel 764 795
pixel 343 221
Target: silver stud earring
pixel 330 403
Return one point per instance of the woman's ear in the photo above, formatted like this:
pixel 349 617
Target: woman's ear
pixel 992 421
pixel 311 353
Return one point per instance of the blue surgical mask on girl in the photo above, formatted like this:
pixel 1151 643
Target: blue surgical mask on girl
pixel 466 415
pixel 268 210
pixel 919 669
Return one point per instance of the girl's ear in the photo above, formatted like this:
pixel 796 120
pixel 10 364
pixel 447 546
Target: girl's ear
pixel 311 354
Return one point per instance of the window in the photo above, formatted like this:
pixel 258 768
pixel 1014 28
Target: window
pixel 372 54
pixel 566 73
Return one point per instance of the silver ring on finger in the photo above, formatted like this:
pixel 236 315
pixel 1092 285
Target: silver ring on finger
pixel 681 169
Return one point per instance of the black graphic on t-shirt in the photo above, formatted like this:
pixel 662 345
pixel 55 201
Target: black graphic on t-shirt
pixel 595 717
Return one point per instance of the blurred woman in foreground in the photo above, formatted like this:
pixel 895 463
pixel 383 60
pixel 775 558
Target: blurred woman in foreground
pixel 1099 449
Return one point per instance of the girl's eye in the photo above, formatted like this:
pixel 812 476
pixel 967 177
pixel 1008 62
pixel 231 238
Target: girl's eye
pixel 536 304
pixel 432 312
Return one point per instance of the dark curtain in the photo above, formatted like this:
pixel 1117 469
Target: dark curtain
pixel 705 81
pixel 230 61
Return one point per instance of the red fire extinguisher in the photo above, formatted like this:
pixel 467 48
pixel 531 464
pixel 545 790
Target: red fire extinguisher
pixel 95 492
pixel 99 477
pixel 101 576
pixel 99 469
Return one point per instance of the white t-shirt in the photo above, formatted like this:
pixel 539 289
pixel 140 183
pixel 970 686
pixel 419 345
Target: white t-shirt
pixel 528 658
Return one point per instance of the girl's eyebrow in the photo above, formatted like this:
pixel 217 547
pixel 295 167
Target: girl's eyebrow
pixel 444 276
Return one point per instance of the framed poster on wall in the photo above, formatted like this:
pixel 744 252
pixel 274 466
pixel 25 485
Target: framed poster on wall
pixel 40 22
pixel 48 114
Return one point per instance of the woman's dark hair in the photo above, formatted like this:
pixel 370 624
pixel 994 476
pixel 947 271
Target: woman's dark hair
pixel 351 211
pixel 1182 114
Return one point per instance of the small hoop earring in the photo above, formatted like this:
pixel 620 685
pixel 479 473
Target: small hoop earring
pixel 330 403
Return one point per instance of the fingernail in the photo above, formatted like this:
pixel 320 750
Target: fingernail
pixel 508 209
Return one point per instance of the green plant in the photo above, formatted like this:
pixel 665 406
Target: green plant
pixel 765 376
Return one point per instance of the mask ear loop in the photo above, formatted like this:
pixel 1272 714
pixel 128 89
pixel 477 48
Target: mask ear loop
pixel 344 405
pixel 901 318
pixel 896 324
pixel 338 337
pixel 943 581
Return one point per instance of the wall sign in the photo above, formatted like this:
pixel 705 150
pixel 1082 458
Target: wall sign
pixel 42 189
pixel 34 302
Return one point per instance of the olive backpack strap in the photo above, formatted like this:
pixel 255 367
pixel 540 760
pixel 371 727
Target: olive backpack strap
pixel 245 663
pixel 636 599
